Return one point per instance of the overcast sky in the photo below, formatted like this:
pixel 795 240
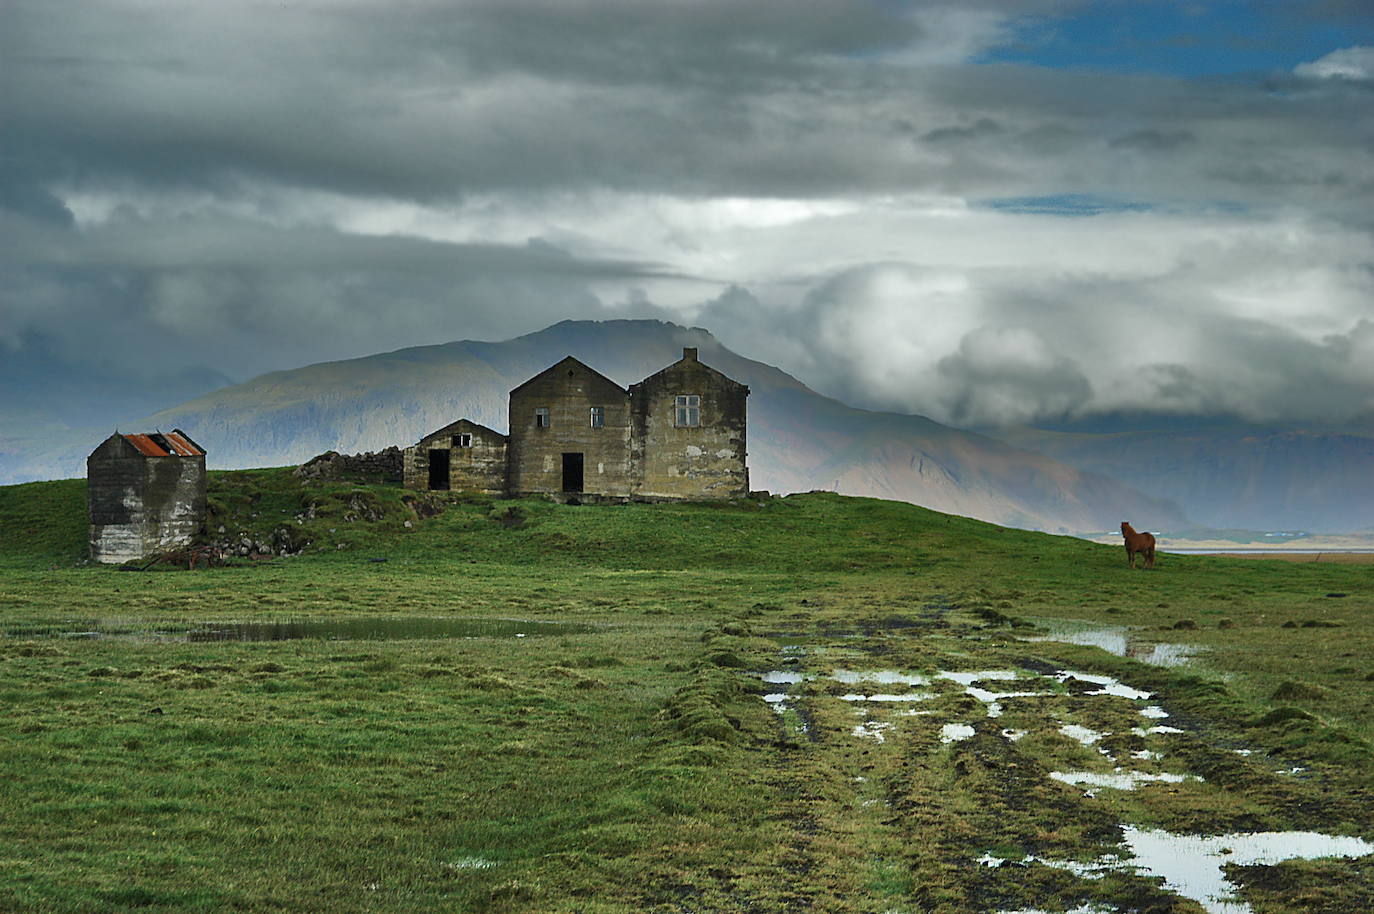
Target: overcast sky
pixel 978 210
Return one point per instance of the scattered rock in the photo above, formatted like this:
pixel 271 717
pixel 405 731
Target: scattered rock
pixel 385 465
pixel 1185 624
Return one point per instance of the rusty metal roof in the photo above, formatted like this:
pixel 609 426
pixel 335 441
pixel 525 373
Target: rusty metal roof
pixel 183 445
pixel 172 444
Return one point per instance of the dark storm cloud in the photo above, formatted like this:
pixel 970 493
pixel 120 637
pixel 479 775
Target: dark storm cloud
pixel 253 185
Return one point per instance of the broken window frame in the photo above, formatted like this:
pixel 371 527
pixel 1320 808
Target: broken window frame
pixel 687 411
pixel 598 417
pixel 462 440
pixel 541 417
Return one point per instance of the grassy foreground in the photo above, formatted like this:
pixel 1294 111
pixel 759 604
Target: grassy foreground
pixel 632 764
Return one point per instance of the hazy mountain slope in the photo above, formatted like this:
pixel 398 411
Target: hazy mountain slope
pixel 1232 476
pixel 798 439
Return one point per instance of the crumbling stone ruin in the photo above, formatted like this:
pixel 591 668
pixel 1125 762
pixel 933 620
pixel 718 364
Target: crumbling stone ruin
pixel 384 466
pixel 145 494
pixel 574 433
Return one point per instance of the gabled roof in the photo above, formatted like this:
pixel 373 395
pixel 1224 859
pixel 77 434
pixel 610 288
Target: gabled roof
pixel 454 426
pixel 175 443
pixel 690 361
pixel 562 364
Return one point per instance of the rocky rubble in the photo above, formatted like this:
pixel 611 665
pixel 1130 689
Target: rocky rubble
pixel 384 465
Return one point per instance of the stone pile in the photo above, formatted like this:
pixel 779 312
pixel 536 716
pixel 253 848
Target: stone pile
pixel 384 465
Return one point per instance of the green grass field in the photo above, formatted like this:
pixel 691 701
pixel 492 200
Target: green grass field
pixel 631 763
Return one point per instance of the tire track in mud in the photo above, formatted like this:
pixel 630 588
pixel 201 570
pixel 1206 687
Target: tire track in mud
pixel 982 823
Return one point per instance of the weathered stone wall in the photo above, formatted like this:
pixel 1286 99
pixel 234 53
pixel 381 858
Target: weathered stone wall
pixel 707 461
pixel 481 467
pixel 141 505
pixel 173 502
pixel 568 391
pixel 386 465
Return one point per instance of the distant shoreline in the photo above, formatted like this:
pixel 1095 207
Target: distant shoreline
pixel 1341 556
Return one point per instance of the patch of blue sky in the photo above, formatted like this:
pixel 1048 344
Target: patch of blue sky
pixel 1084 204
pixel 1066 205
pixel 1187 38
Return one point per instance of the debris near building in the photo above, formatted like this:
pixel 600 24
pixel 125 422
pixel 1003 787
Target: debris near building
pixel 380 466
pixel 145 494
pixel 575 434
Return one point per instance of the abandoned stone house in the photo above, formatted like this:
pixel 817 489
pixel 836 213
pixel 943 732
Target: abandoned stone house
pixel 145 494
pixel 678 434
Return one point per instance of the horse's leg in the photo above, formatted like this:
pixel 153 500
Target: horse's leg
pixel 1150 558
pixel 1130 557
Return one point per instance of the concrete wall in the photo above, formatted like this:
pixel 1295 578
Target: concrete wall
pixel 569 390
pixel 141 505
pixel 478 468
pixel 703 462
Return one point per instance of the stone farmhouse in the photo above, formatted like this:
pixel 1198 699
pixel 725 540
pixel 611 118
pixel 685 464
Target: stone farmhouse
pixel 575 434
pixel 146 494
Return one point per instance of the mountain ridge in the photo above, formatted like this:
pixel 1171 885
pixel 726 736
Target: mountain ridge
pixel 799 440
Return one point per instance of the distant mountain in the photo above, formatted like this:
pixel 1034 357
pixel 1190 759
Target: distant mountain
pixel 798 439
pixel 1229 475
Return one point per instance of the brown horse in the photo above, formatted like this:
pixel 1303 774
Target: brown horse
pixel 1142 543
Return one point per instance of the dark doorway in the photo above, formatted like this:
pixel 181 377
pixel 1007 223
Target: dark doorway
pixel 572 472
pixel 438 468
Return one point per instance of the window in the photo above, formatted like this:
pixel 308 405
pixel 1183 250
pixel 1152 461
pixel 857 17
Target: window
pixel 541 417
pixel 462 441
pixel 687 411
pixel 598 416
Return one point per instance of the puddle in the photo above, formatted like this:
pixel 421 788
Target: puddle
pixel 783 677
pixel 993 700
pixel 888 696
pixel 356 629
pixel 953 733
pixel 873 730
pixel 1082 734
pixel 968 679
pixel 1192 865
pixel 1121 642
pixel 882 677
pixel 1109 686
pixel 1118 780
pixel 1081 909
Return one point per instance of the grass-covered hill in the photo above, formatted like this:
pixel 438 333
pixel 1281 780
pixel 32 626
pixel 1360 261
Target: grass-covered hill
pixel 798 440
pixel 629 761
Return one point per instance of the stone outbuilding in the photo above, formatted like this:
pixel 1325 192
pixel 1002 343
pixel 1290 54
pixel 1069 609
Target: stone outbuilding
pixel 462 456
pixel 145 494
pixel 678 434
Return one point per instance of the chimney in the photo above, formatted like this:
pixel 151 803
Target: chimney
pixel 689 353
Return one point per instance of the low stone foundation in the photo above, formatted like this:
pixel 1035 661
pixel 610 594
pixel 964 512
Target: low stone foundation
pixel 384 466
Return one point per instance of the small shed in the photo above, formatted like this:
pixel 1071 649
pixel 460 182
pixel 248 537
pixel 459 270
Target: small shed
pixel 462 456
pixel 146 494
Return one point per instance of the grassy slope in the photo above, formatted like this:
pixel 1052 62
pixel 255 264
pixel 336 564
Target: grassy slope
pixel 634 767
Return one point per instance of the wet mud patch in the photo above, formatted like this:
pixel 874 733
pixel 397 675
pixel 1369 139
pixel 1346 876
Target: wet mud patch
pixel 1012 782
